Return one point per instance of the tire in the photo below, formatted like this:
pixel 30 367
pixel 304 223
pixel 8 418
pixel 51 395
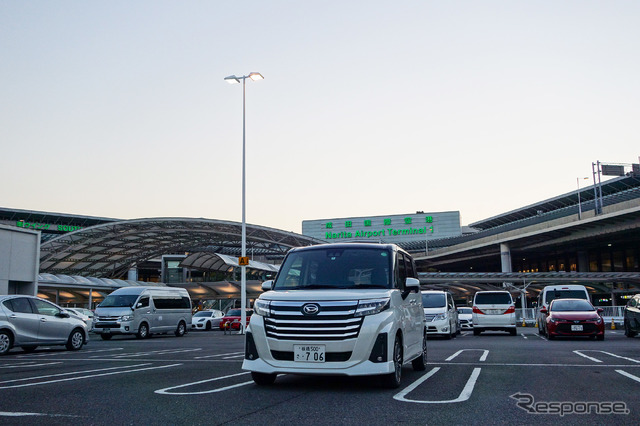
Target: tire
pixel 106 336
pixel 208 326
pixel 600 337
pixel 476 332
pixel 420 363
pixel 392 380
pixel 143 331
pixel 263 379
pixel 550 336
pixel 181 330
pixel 28 349
pixel 6 342
pixel 513 332
pixel 76 340
pixel 627 330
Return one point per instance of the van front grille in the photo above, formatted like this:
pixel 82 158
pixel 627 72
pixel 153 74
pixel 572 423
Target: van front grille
pixel 333 320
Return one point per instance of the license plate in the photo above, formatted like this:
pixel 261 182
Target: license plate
pixel 308 353
pixel 576 328
pixel 106 330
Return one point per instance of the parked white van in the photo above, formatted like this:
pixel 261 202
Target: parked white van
pixel 339 309
pixel 143 311
pixel 551 292
pixel 440 313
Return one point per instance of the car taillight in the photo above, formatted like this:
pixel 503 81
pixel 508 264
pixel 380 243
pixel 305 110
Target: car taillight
pixel 511 310
pixel 477 311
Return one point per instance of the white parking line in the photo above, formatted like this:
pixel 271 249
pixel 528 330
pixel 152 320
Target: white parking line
pixel 81 377
pixel 482 358
pixel 631 376
pixel 166 391
pixel 464 395
pixel 219 355
pixel 19 414
pixel 158 352
pixel 606 353
pixel 29 364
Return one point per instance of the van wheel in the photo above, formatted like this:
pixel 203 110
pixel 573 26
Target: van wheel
pixel 106 336
pixel 263 379
pixel 420 363
pixel 627 330
pixel 143 331
pixel 28 349
pixel 6 341
pixel 476 332
pixel 513 332
pixel 76 340
pixel 182 328
pixel 392 380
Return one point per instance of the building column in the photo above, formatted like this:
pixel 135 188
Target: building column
pixel 505 257
pixel 583 261
pixel 132 275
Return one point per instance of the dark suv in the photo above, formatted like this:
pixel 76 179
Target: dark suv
pixel 632 316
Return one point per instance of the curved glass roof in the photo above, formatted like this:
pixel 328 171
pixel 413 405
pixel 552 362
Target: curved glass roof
pixel 111 249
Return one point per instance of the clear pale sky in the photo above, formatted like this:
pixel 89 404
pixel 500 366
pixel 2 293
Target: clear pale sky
pixel 119 108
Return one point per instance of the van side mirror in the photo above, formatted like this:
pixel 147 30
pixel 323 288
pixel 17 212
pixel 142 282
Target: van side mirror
pixel 411 285
pixel 267 285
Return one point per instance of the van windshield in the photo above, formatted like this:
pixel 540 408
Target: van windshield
pixel 119 301
pixel 565 294
pixel 435 300
pixel 332 268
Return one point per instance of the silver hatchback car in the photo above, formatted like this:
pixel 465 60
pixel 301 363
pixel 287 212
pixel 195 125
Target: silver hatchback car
pixel 28 322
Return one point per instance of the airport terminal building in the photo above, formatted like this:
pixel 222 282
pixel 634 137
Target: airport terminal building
pixel 594 230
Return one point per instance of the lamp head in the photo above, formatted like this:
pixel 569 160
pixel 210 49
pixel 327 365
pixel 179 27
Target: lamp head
pixel 232 79
pixel 256 76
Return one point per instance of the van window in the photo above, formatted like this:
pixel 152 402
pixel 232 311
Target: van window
pixel 493 299
pixel 401 271
pixel 167 302
pixel 144 302
pixel 564 294
pixel 433 300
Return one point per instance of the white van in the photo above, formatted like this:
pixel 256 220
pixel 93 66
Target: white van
pixel 494 310
pixel 143 311
pixel 551 292
pixel 339 309
pixel 440 313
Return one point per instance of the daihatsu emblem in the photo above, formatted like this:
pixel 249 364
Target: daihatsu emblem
pixel 310 309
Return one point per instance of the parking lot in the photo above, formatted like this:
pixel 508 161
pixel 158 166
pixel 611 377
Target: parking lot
pixel 493 378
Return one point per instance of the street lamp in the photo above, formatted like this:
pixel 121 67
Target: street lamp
pixel 579 204
pixel 232 79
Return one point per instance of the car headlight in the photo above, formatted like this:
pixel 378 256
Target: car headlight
pixel 126 318
pixel 599 320
pixel 262 307
pixel 440 317
pixel 371 307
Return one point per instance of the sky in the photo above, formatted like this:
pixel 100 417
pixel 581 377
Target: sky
pixel 120 109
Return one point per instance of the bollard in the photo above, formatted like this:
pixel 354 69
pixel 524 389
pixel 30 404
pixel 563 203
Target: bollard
pixel 613 324
pixel 536 324
pixel 524 324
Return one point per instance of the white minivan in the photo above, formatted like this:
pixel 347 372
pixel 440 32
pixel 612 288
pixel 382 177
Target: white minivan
pixel 494 310
pixel 440 313
pixel 339 309
pixel 143 311
pixel 552 292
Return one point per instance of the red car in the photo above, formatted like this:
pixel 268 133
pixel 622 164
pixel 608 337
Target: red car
pixel 573 317
pixel 232 319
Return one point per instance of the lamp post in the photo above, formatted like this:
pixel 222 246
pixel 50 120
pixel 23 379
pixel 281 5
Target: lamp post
pixel 579 204
pixel 232 79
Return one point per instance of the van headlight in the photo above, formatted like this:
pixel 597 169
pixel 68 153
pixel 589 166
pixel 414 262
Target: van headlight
pixel 126 318
pixel 440 317
pixel 371 307
pixel 262 307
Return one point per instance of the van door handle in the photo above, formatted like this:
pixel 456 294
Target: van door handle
pixel 43 319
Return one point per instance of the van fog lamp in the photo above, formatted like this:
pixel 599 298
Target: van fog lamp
pixel 262 307
pixel 371 307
